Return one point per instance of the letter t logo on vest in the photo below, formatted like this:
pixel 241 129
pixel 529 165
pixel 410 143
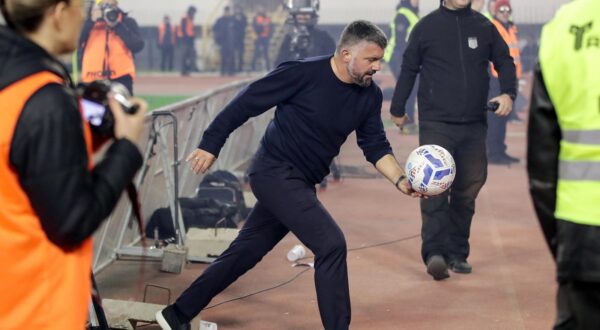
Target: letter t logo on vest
pixel 579 32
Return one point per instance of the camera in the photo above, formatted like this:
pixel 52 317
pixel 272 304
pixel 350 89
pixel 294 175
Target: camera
pixel 303 16
pixel 109 13
pixel 300 42
pixel 94 103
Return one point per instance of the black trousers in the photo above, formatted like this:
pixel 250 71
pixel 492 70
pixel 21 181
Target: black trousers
pixel 286 202
pixel 578 305
pixel 166 58
pixel 447 217
pixel 188 62
pixel 239 57
pixel 496 135
pixel 227 61
pixel 261 49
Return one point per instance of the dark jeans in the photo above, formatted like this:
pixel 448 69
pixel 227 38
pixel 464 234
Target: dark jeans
pixel 227 61
pixel 447 217
pixel 261 48
pixel 286 202
pixel 239 57
pixel 166 58
pixel 578 305
pixel 496 135
pixel 188 62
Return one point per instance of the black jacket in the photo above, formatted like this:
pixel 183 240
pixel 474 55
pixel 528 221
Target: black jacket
pixel 225 32
pixel 576 247
pixel 451 50
pixel 48 150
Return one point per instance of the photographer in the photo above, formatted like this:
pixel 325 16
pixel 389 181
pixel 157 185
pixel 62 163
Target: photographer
pixel 263 27
pixel 225 36
pixel 108 41
pixel 304 39
pixel 52 198
pixel 187 35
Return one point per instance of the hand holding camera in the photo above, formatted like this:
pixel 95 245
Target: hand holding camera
pixel 111 111
pixel 107 13
pixel 128 126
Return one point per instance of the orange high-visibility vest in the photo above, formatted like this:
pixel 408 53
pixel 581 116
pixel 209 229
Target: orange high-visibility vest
pixel 161 33
pixel 187 28
pixel 41 286
pixel 510 37
pixel 118 59
pixel 266 23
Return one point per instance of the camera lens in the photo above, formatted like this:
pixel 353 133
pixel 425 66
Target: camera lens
pixel 111 14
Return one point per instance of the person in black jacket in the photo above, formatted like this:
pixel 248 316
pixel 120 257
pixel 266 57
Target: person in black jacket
pixel 320 101
pixel 101 44
pixel 225 36
pixel 52 199
pixel 451 49
pixel 241 21
pixel 563 148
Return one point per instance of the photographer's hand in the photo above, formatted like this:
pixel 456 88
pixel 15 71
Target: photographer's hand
pixel 201 160
pixel 114 23
pixel 128 126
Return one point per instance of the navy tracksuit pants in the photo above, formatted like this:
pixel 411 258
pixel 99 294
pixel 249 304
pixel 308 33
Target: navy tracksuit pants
pixel 286 202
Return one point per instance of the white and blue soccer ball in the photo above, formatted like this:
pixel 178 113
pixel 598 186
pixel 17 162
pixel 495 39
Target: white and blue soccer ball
pixel 430 169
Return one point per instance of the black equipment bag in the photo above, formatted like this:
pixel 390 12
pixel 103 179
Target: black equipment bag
pixel 219 203
pixel 196 212
pixel 225 187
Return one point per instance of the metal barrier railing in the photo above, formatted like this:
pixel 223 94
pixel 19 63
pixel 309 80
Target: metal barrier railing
pixel 190 117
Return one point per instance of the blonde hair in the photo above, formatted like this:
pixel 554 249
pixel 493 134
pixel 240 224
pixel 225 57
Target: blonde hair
pixel 26 15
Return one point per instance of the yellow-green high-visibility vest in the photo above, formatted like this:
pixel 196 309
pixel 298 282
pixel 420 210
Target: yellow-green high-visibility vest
pixel 570 63
pixel 488 15
pixel 412 18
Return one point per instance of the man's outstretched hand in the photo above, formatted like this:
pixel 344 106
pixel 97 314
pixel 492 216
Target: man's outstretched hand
pixel 201 160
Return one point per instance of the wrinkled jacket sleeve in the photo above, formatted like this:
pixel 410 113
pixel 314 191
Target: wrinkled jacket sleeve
pixel 129 32
pixel 504 64
pixel 543 146
pixel 49 155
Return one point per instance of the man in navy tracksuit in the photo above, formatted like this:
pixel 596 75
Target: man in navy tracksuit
pixel 451 49
pixel 320 101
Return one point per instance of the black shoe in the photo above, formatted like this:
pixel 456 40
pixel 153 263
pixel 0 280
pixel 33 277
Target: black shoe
pixel 511 158
pixel 499 160
pixel 167 319
pixel 437 267
pixel 460 266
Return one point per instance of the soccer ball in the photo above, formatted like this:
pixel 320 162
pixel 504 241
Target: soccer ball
pixel 430 169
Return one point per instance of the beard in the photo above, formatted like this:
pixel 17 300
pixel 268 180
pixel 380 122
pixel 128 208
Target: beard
pixel 361 79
